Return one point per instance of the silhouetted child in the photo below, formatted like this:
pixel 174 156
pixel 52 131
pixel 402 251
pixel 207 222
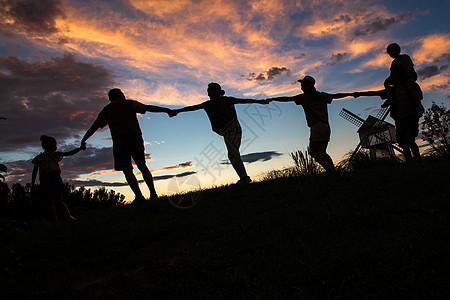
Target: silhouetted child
pixel 120 116
pixel 402 73
pixel 314 104
pixel 51 184
pixel 222 115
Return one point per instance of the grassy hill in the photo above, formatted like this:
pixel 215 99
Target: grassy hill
pixel 377 233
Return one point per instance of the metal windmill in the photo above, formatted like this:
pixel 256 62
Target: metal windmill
pixel 375 134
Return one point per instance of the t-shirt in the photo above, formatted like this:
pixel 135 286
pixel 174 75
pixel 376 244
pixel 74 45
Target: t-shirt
pixel 48 162
pixel 402 68
pixel 222 114
pixel 315 106
pixel 121 118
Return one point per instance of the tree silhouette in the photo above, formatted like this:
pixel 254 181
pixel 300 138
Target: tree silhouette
pixel 435 127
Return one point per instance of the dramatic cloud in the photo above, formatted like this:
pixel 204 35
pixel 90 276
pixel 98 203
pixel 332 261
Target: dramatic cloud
pixel 337 58
pixel 35 17
pixel 188 164
pixel 58 96
pixel 301 56
pixel 124 183
pixel 428 71
pixel 382 24
pixel 440 65
pixel 269 75
pixel 432 47
pixel 257 156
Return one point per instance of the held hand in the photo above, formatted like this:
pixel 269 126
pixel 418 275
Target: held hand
pixel 355 94
pixel 172 113
pixel 83 146
pixel 267 101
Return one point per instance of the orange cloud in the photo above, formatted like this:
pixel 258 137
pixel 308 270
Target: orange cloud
pixel 101 172
pixel 185 165
pixel 382 60
pixel 432 47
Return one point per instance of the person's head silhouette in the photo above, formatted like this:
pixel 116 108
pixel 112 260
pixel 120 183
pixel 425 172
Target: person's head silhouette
pixel 48 143
pixel 115 95
pixel 215 90
pixel 307 84
pixel 393 50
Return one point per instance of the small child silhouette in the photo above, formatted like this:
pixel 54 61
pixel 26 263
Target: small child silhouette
pixel 51 184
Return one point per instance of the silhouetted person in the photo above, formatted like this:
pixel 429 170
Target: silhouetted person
pixel 51 184
pixel 402 79
pixel 120 116
pixel 314 104
pixel 406 116
pixel 222 115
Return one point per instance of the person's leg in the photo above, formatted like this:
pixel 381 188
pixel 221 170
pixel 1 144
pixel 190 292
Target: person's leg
pixel 317 150
pixel 233 142
pixel 412 133
pixel 406 129
pixel 406 153
pixel 65 210
pixel 53 215
pixel 132 182
pixel 415 151
pixel 148 178
pixel 137 151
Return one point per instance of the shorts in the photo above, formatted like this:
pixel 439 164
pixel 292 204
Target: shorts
pixel 320 132
pixel 51 184
pixel 406 130
pixel 125 147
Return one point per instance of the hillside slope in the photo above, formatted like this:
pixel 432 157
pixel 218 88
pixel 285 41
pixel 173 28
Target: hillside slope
pixel 378 233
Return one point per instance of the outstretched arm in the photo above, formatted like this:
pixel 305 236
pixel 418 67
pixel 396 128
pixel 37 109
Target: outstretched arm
pixel 174 112
pixel 88 134
pixel 74 151
pixel 379 93
pixel 342 95
pixel 281 99
pixel 157 109
pixel 244 101
pixel 34 174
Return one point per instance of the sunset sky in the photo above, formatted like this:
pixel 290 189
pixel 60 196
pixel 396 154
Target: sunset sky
pixel 60 57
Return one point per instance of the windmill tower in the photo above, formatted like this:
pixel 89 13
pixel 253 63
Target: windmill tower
pixel 375 134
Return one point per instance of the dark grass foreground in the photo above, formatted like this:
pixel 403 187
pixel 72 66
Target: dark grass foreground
pixel 382 233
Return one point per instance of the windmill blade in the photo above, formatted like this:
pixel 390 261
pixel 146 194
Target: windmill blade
pixel 382 113
pixel 351 117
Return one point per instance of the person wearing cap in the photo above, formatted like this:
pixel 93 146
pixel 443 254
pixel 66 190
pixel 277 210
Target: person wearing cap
pixel 222 115
pixel 314 104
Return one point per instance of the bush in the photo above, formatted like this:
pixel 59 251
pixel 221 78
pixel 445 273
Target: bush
pixel 304 164
pixel 20 203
